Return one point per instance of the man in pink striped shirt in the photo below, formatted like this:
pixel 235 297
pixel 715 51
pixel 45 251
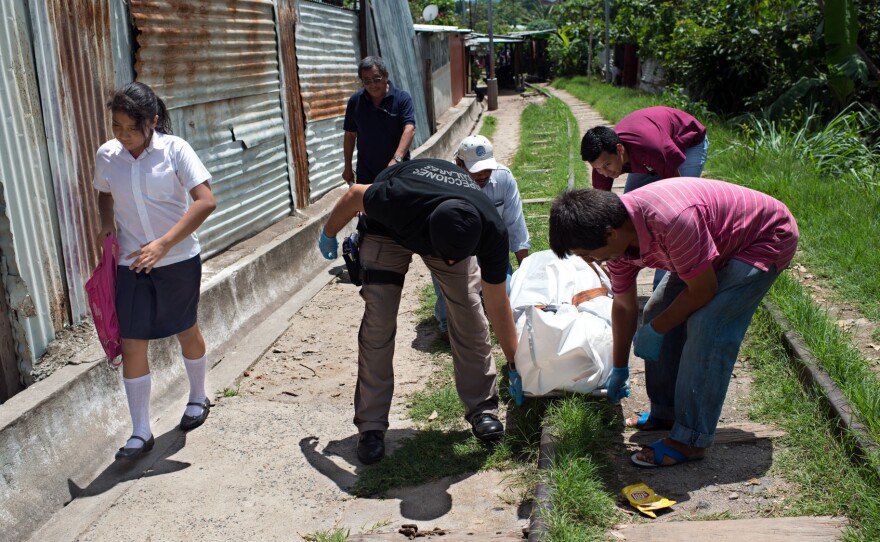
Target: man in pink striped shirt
pixel 723 246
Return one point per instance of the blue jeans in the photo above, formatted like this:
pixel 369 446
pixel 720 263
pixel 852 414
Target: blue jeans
pixel 689 381
pixel 440 304
pixel 694 160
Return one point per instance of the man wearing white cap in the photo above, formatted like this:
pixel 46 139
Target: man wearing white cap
pixel 475 154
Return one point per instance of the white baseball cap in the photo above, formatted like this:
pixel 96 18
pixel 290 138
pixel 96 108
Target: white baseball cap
pixel 476 153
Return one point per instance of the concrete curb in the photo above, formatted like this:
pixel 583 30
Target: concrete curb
pixel 60 432
pixel 543 504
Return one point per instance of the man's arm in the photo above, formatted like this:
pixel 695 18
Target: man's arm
pixel 349 205
pixel 348 144
pixel 700 290
pixel 513 216
pixel 409 132
pixel 501 316
pixel 624 320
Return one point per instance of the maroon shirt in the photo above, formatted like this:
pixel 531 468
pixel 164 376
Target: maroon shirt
pixel 655 139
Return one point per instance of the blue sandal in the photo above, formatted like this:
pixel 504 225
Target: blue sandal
pixel 661 450
pixel 645 419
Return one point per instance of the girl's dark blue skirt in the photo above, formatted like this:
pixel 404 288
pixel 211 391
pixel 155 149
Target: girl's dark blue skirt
pixel 160 303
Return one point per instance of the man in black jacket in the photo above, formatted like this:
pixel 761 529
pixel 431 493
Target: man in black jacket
pixel 434 209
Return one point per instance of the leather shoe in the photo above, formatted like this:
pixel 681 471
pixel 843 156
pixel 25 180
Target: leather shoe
pixel 487 427
pixel 371 447
pixel 130 454
pixel 188 423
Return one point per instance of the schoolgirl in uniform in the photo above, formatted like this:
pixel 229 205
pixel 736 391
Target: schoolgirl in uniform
pixel 143 176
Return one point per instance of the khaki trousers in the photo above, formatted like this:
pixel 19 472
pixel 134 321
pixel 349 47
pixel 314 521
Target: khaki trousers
pixel 468 334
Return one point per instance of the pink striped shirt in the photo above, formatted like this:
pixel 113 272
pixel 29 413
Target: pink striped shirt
pixel 685 224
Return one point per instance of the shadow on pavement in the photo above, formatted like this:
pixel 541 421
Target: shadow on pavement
pixel 426 495
pixel 728 463
pixel 154 463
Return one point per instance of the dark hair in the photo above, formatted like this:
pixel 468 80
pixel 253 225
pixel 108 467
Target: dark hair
pixel 581 219
pixel 139 102
pixel 370 61
pixel 596 140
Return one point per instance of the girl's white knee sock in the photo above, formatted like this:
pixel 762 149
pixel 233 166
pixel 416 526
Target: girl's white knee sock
pixel 195 370
pixel 138 392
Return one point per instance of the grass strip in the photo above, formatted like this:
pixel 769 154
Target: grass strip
pixel 487 130
pixel 546 157
pixel 827 482
pixel 582 506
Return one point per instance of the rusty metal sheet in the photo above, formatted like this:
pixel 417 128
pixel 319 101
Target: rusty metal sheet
pixel 215 64
pixel 80 80
pixel 62 48
pixel 397 45
pixel 200 51
pixel 327 57
pixel 292 104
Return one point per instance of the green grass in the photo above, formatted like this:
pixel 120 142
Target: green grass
pixel 487 130
pixel 582 506
pixel 834 352
pixel 228 392
pixel 545 161
pixel 827 482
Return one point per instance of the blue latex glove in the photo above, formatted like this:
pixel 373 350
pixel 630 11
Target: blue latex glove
pixel 648 343
pixel 329 246
pixel 515 387
pixel 618 384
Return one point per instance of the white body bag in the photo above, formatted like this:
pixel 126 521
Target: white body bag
pixel 562 310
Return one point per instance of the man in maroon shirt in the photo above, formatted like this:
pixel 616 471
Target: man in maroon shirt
pixel 650 144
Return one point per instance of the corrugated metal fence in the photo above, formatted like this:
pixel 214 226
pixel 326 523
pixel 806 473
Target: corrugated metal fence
pixel 215 64
pixel 397 45
pixel 327 55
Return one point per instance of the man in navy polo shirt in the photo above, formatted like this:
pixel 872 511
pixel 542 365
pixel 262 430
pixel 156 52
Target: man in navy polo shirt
pixel 380 118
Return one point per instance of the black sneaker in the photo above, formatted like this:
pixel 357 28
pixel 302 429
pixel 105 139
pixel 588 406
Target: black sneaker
pixel 487 427
pixel 371 447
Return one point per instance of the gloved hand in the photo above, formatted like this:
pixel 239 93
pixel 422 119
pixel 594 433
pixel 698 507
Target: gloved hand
pixel 648 342
pixel 618 384
pixel 515 387
pixel 329 246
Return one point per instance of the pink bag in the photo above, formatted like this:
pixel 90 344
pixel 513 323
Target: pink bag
pixel 101 290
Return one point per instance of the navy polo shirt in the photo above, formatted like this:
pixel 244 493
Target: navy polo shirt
pixel 378 128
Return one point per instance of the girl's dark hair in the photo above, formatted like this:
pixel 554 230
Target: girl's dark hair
pixel 581 219
pixel 139 102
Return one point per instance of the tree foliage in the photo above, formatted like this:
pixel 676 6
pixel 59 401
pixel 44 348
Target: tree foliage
pixel 777 57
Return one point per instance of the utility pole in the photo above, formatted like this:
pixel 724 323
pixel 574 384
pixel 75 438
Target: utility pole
pixel 491 82
pixel 608 50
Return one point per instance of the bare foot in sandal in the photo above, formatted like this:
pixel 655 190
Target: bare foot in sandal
pixel 645 422
pixel 669 452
